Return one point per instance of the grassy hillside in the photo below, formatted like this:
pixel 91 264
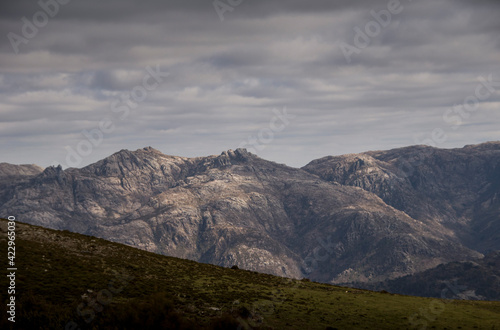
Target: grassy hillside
pixel 75 281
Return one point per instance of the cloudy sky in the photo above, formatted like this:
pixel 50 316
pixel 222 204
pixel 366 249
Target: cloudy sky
pixel 289 80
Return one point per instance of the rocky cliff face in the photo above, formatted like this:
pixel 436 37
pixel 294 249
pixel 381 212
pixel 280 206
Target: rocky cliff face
pixel 340 219
pixel 456 191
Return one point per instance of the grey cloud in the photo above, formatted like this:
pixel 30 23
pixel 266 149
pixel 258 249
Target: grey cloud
pixel 226 77
pixel 116 10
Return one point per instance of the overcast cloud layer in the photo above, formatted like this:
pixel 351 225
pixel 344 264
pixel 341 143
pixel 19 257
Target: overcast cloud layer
pixel 271 76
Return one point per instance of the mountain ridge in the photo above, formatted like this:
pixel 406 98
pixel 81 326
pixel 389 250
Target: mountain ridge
pixel 343 225
pixel 444 186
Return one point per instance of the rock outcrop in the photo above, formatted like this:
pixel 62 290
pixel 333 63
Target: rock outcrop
pixel 455 191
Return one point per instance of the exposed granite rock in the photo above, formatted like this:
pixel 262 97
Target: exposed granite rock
pixel 236 208
pixel 456 191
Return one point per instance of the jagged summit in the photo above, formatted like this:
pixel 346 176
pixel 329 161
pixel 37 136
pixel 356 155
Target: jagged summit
pixel 148 154
pixel 240 153
pixel 150 161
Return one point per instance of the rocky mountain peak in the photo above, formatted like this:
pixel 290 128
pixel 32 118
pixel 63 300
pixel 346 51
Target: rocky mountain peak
pixel 52 170
pixel 52 174
pixel 440 186
pixel 236 156
pixel 224 160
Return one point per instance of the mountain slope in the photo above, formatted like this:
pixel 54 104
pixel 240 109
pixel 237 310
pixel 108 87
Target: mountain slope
pixel 235 208
pixel 471 280
pixel 67 280
pixel 9 170
pixel 10 173
pixel 457 191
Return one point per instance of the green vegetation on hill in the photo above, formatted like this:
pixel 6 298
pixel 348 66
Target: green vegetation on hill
pixel 75 281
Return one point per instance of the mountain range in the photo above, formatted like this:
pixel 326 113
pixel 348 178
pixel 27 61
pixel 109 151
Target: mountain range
pixel 361 218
